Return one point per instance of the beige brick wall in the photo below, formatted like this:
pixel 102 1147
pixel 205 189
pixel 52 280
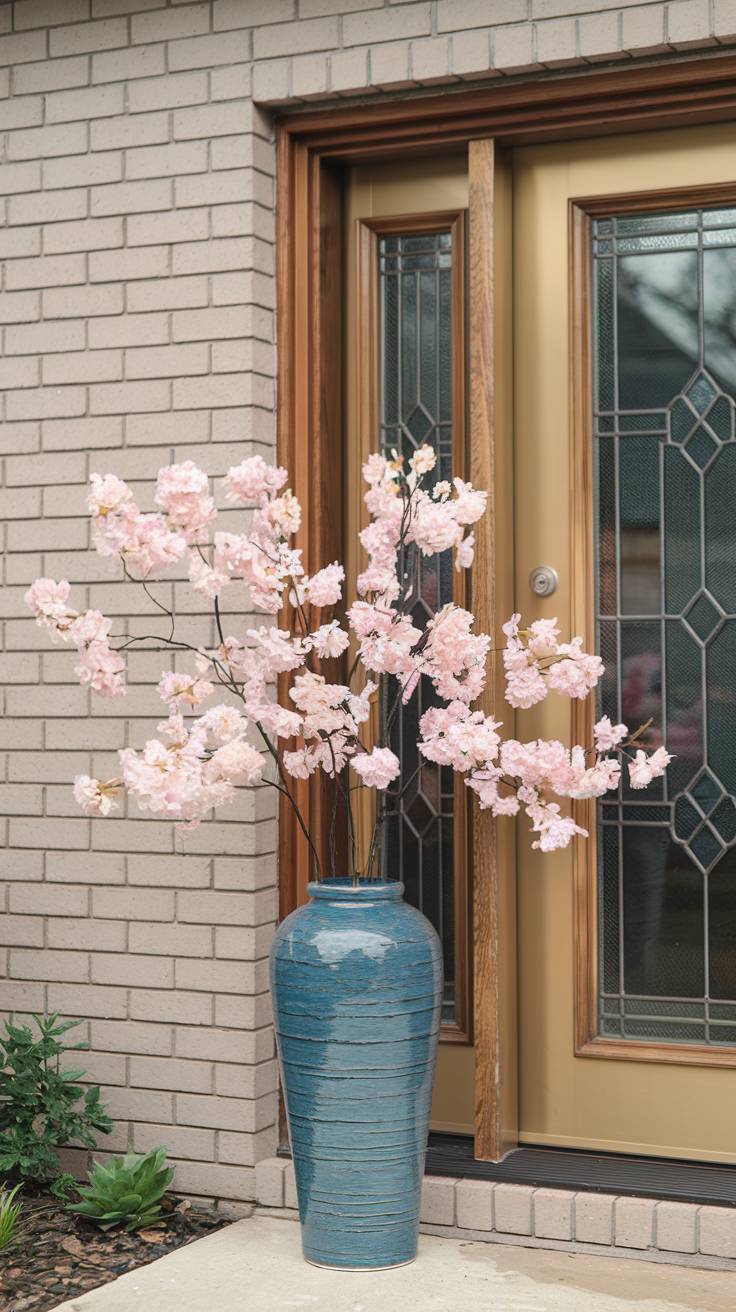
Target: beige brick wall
pixel 137 305
pixel 137 308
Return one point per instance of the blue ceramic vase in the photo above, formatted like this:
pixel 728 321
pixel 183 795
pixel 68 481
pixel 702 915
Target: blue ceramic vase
pixel 356 976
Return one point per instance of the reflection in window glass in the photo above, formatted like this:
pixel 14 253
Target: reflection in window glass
pixel 664 338
pixel 415 291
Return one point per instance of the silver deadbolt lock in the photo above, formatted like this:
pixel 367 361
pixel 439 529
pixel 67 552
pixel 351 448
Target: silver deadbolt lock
pixel 543 581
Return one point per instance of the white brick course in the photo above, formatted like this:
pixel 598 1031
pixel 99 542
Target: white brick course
pixel 270 1182
pixel 50 75
pixel 553 1214
pixel 677 1227
pixel 438 1201
pixel 633 1222
pixel 718 1231
pixel 474 1205
pixel 513 48
pixel 82 38
pixel 689 24
pixel 513 1208
pixel 643 30
pixel 43 13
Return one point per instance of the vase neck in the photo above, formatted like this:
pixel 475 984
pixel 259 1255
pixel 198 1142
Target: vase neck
pixel 365 891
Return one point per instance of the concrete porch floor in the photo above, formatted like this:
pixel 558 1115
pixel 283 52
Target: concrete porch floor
pixel 256 1265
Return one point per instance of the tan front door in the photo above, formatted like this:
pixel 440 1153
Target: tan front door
pixel 625 479
pixel 624 330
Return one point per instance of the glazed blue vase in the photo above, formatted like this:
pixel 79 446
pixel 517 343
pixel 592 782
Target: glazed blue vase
pixel 356 977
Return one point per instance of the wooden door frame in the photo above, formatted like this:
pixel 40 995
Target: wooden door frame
pixel 312 148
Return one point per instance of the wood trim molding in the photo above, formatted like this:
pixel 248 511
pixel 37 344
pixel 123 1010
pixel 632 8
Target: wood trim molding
pixel 635 96
pixel 582 608
pixel 493 845
pixel 644 202
pixel 309 422
pixel 667 1053
pixel 407 224
pixel 463 1029
pixel 588 1043
pixel 365 311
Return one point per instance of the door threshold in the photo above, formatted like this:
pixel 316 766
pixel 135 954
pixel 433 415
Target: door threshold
pixel 586 1172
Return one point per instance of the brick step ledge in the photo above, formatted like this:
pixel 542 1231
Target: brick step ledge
pixel 685 1234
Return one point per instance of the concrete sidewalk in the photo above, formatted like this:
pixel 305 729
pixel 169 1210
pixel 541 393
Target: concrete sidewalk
pixel 256 1265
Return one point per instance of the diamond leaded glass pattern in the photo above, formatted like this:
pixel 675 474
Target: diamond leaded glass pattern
pixel 415 292
pixel 665 449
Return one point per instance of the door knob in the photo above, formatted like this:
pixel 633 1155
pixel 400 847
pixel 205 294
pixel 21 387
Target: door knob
pixel 543 581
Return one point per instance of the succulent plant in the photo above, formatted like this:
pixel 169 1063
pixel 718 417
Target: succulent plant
pixel 126 1190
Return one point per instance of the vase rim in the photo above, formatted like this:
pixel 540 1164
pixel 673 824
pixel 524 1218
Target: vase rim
pixel 368 890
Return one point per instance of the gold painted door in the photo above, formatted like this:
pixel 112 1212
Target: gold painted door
pixel 405 384
pixel 627 949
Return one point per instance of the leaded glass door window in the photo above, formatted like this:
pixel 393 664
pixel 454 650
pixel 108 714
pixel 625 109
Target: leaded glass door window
pixel 408 389
pixel 420 384
pixel 664 393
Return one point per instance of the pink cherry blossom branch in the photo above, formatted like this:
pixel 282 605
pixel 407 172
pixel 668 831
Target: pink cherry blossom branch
pixel 230 684
pixel 236 689
pixel 196 764
pixel 150 596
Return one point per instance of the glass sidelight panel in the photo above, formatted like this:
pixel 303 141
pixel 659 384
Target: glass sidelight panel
pixel 664 336
pixel 416 404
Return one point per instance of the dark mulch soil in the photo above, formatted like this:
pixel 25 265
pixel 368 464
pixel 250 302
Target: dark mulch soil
pixel 59 1256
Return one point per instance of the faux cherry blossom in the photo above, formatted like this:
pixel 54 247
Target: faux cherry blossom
pixel 182 491
pixel 300 691
pixel 377 768
pixel 536 662
pixel 93 797
pixel 97 665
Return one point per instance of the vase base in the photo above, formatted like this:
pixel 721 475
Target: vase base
pixel 347 1270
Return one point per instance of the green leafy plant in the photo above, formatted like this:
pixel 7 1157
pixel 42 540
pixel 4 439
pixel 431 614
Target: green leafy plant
pixel 125 1190
pixel 42 1107
pixel 10 1212
pixel 62 1186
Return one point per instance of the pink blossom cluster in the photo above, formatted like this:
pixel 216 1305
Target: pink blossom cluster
pixel 537 663
pixel 195 765
pixel 186 772
pixel 403 512
pixel 377 768
pixel 508 774
pixel 331 716
pixel 95 797
pixel 150 543
pixel 180 690
pixel 323 588
pixel 261 557
pixel 454 657
pixel 98 665
pixel 145 543
pixel 195 768
pixel 183 493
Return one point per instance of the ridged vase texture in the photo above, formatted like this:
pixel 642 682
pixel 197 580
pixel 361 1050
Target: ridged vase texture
pixel 356 977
